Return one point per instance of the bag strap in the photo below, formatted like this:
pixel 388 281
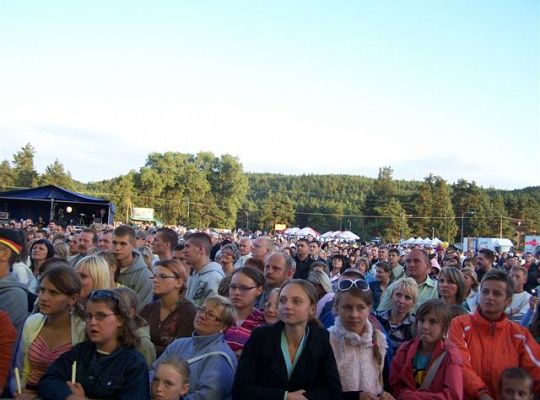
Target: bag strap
pixel 433 370
pixel 212 353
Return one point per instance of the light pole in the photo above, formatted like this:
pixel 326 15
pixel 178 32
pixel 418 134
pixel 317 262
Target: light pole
pixel 433 232
pixel 350 224
pixel 247 220
pixel 462 219
pixel 340 224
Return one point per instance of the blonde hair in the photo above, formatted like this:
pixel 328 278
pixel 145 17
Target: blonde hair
pixel 98 269
pixel 409 286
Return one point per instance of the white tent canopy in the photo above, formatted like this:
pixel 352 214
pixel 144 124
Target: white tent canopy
pixel 307 231
pixel 347 235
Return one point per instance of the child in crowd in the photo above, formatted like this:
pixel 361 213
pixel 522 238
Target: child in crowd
pixel 428 367
pixel 516 384
pixel 171 379
pixel 107 365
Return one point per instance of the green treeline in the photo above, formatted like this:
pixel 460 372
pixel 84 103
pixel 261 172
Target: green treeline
pixel 203 190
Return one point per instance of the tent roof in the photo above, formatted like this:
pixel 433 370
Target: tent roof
pixel 49 192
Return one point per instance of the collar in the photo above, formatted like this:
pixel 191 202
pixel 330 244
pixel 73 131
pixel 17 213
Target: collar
pixel 428 282
pixel 200 341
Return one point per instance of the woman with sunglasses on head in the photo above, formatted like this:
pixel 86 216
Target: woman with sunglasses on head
pixel 291 359
pixel 211 361
pixel 246 286
pixel 171 316
pixel 51 332
pixel 107 364
pixel 358 346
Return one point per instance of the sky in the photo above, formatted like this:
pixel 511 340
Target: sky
pixel 449 87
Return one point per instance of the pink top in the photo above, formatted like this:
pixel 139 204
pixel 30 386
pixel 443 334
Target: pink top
pixel 41 357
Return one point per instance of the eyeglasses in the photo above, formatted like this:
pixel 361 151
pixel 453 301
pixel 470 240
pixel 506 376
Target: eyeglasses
pixel 99 316
pixel 347 284
pixel 163 276
pixel 241 288
pixel 208 314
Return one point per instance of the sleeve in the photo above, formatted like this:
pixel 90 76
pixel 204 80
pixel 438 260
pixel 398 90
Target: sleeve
pixel 20 360
pixel 7 339
pixel 145 289
pixel 397 383
pixel 245 385
pixel 215 381
pixel 329 383
pixel 530 358
pixel 386 301
pixel 147 350
pixel 526 320
pixel 138 386
pixel 473 385
pixel 52 385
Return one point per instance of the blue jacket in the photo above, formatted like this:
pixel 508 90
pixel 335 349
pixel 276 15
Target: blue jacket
pixel 120 375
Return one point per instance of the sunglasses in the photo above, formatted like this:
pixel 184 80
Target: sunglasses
pixel 347 284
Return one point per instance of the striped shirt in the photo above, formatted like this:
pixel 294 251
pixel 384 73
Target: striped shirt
pixel 40 357
pixel 238 334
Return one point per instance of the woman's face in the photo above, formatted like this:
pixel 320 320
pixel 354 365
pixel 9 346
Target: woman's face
pixel 447 289
pixel 243 291
pixel 39 252
pixel 294 307
pixel 52 301
pixel 493 299
pixel 168 383
pixel 166 282
pixel 353 313
pixel 270 308
pixel 337 263
pixel 402 301
pixel 227 257
pixel 87 283
pixel 208 319
pixel 429 329
pixel 102 326
pixel 469 282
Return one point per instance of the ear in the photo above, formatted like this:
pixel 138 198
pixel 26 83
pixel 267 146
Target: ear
pixel 185 389
pixel 73 299
pixel 179 283
pixel 259 291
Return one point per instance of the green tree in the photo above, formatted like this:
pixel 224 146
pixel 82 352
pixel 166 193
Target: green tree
pixel 7 176
pixel 55 174
pixel 423 208
pixel 443 214
pixel 277 209
pixel 23 167
pixel 393 223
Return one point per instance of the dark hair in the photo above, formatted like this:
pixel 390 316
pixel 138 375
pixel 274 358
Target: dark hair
pixel 384 265
pixel 351 273
pixel 302 240
pixel 130 297
pixel 201 239
pixel 48 245
pixel 394 250
pixel 254 263
pixel 179 247
pixel 125 230
pixel 499 276
pixel 254 274
pixel 489 254
pixel 52 263
pixel 516 373
pixel 66 280
pixel 168 236
pixel 126 332
pixel 438 308
pixel 315 241
pixel 94 234
pixel 110 259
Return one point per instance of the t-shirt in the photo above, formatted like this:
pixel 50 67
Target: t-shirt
pixel 420 363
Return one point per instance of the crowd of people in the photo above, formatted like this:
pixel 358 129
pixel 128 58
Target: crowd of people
pixel 131 313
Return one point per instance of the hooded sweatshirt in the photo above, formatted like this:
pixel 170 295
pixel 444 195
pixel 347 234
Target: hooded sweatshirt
pixel 14 300
pixel 137 278
pixel 204 283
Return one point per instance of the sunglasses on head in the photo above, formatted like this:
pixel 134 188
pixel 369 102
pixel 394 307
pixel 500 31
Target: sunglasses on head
pixel 347 284
pixel 104 294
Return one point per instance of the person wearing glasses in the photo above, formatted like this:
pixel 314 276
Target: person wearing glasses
pixel 51 332
pixel 108 366
pixel 246 286
pixel 359 347
pixel 291 359
pixel 211 361
pixel 171 316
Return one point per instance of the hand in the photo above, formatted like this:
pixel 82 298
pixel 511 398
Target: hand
pixel 26 395
pixel 533 301
pixel 368 396
pixel 76 388
pixel 298 395
pixel 386 396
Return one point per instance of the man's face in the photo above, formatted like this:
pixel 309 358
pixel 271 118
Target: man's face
pixel 159 246
pixel 393 258
pixel 149 240
pixel 192 252
pixel 314 250
pixel 382 254
pixel 74 244
pixel 519 279
pixel 528 258
pixel 275 271
pixel 302 249
pixel 482 261
pixel 178 255
pixel 85 242
pixel 416 266
pixel 122 247
pixel 105 241
pixel 244 246
pixel 258 250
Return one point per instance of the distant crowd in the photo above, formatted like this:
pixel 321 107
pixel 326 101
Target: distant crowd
pixel 142 313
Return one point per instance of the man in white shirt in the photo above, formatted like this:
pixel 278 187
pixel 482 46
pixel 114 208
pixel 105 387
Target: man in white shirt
pixel 520 298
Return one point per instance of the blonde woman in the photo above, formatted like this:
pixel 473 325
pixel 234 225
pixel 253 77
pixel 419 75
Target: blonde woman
pixel 94 273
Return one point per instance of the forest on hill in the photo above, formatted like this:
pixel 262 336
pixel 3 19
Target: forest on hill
pixel 204 190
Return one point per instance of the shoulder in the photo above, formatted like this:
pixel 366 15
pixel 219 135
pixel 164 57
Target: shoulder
pixel 453 352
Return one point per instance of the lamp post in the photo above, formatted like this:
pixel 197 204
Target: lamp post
pixel 247 220
pixel 350 224
pixel 432 232
pixel 462 220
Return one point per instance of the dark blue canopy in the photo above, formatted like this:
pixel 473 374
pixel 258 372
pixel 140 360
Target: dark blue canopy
pixel 50 201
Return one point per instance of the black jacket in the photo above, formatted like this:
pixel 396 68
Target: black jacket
pixel 262 374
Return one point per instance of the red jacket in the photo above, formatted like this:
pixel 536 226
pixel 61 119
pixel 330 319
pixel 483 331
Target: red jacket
pixel 447 383
pixel 7 338
pixel 488 348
